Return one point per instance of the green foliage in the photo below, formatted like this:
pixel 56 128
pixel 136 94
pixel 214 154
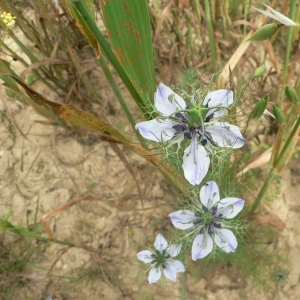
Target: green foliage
pixel 17 255
pixel 265 32
pixel 128 27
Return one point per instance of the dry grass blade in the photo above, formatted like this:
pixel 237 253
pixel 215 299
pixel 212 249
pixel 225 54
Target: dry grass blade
pixel 44 62
pixel 259 161
pixel 162 18
pixel 264 220
pixel 127 165
pixel 45 218
pixel 235 58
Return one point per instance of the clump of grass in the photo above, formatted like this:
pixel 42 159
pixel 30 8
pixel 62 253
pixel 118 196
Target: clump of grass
pixel 17 258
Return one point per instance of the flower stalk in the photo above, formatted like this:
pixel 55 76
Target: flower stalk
pixel 277 166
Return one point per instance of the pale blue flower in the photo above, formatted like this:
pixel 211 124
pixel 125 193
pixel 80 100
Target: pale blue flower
pixel 207 222
pixel 198 123
pixel 161 260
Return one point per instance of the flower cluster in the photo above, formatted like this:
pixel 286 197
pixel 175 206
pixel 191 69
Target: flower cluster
pixel 198 123
pixel 201 128
pixel 8 19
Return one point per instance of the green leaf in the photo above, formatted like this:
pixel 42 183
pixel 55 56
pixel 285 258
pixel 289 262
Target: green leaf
pixel 265 32
pixel 128 26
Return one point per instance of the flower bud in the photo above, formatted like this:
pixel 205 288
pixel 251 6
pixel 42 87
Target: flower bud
pixel 265 32
pixel 279 115
pixel 259 71
pixel 291 94
pixel 259 108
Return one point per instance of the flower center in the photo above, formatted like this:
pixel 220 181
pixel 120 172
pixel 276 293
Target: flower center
pixel 196 115
pixel 206 218
pixel 159 258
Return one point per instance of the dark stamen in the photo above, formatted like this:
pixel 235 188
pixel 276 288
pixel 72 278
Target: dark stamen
pixel 204 208
pixel 218 225
pixel 208 118
pixel 179 127
pixel 204 142
pixel 214 210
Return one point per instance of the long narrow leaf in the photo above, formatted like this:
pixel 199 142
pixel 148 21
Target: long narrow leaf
pixel 128 26
pixel 106 50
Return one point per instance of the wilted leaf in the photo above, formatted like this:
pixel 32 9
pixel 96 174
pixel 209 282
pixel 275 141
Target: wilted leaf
pixel 63 113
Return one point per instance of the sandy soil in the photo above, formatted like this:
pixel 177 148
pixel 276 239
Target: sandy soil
pixel 54 167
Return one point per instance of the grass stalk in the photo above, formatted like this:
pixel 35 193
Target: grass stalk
pixel 211 37
pixel 277 163
pixel 285 148
pixel 263 190
pixel 117 93
pixel 183 292
pixel 289 42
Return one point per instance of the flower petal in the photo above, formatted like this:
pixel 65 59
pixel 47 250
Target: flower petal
pixel 154 275
pixel 230 207
pixel 202 245
pixel 172 268
pixel 163 96
pixel 225 135
pixel 170 273
pixel 177 265
pixel 209 194
pixel 174 250
pixel 222 98
pixel 182 219
pixel 145 256
pixel 160 243
pixel 156 131
pixel 195 162
pixel 225 239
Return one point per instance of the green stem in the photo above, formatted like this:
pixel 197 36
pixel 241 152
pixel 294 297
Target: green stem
pixel 278 162
pixel 117 92
pixel 287 143
pixel 183 277
pixel 211 37
pixel 289 41
pixel 26 233
pixel 263 190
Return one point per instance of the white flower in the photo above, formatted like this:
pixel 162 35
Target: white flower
pixel 277 16
pixel 207 223
pixel 161 260
pixel 197 123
